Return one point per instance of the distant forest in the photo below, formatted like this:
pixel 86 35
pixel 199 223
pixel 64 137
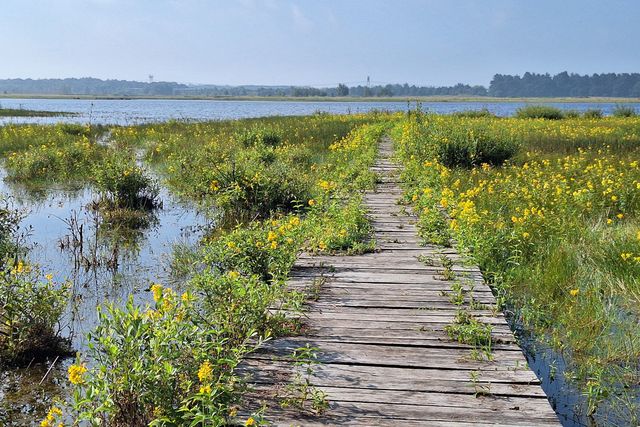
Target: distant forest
pixel 625 85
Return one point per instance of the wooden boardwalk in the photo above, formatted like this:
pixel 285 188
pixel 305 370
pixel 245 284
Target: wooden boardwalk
pixel 379 324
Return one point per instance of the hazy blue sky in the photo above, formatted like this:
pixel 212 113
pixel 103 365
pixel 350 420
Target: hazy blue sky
pixel 316 42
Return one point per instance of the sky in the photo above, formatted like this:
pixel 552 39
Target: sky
pixel 316 42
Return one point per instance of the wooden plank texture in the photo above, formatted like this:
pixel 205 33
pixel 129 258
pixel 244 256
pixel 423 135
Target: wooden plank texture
pixel 379 324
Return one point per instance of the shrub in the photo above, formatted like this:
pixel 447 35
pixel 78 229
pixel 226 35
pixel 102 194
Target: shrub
pixel 164 365
pixel 266 249
pixel 592 113
pixel 237 305
pixel 539 112
pixel 9 224
pixel 456 152
pixel 493 151
pixel 465 148
pixel 624 111
pixel 30 312
pixel 255 185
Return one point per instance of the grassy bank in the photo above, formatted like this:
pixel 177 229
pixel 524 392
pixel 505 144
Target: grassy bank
pixel 19 112
pixel 549 209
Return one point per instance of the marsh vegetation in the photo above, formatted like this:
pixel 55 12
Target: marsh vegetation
pixel 546 205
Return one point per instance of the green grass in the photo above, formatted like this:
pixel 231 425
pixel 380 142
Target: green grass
pixel 555 230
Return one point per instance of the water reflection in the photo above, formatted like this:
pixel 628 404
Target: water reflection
pixel 68 238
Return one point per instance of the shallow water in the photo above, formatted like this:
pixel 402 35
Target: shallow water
pixel 136 111
pixel 126 267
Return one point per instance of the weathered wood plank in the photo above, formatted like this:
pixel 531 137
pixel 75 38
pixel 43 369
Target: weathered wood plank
pixel 379 320
pixel 394 378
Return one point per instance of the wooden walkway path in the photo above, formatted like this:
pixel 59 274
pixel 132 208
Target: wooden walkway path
pixel 379 324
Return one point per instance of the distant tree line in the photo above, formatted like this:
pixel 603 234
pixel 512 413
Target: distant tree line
pixel 87 86
pixel 529 85
pixel 97 87
pixel 622 85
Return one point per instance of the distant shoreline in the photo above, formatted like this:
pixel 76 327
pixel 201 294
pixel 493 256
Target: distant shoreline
pixel 476 99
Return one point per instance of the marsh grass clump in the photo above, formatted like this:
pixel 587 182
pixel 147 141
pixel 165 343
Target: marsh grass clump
pixel 621 110
pixel 255 184
pixel 483 112
pixel 30 309
pixel 592 113
pixel 125 185
pixel 259 136
pixel 571 114
pixel 539 112
pixel 472 147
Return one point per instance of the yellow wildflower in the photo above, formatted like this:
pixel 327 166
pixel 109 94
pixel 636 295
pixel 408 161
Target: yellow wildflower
pixel 625 256
pixel 156 288
pixel 250 422
pixel 233 274
pixel 205 372
pixel 325 185
pixel 76 372
pixel 312 202
pixel 574 292
pixel 295 221
pixel 205 389
pixel 49 277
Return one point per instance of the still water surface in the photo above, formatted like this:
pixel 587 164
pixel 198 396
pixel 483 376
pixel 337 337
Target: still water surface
pixel 136 111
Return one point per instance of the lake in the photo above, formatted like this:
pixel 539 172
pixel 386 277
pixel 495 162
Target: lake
pixel 137 111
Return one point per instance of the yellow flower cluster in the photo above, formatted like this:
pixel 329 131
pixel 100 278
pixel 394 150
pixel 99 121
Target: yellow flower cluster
pixel 76 373
pixel 53 414
pixel 205 372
